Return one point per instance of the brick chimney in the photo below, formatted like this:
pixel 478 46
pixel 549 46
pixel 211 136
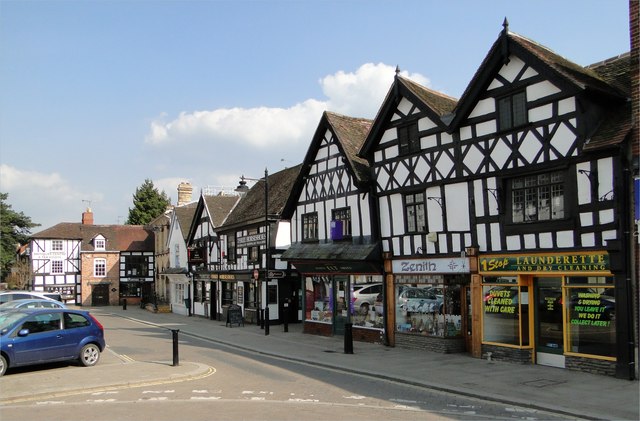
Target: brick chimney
pixel 184 193
pixel 87 217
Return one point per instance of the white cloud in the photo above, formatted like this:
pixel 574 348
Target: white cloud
pixel 357 94
pixel 42 193
pixel 360 94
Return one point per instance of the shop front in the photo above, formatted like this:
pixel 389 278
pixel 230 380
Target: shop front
pixel 225 289
pixel 555 309
pixel 430 302
pixel 338 293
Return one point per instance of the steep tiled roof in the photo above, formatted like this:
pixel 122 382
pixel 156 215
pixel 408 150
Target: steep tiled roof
pixel 617 123
pixel 119 237
pixel 219 207
pixel 250 208
pixel 184 216
pixel 616 71
pixel 614 128
pixel 583 78
pixel 440 103
pixel 351 133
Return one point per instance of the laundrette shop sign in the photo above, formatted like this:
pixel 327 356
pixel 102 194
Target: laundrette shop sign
pixel 560 262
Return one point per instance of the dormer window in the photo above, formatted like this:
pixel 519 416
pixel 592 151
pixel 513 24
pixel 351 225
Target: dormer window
pixel 512 111
pixel 99 243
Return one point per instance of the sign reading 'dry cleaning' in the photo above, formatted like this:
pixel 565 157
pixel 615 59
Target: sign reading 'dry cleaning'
pixel 557 262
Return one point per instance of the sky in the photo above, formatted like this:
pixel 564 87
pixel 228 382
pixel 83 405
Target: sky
pixel 98 96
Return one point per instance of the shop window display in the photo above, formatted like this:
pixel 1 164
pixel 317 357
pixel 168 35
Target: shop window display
pixel 501 314
pixel 318 306
pixel 591 309
pixel 366 303
pixel 429 309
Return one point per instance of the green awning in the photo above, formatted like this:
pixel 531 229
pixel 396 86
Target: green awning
pixel 337 258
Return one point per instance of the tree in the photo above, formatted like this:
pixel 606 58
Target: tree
pixel 15 229
pixel 148 204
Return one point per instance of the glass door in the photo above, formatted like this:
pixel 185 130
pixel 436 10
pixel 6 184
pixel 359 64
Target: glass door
pixel 548 322
pixel 341 308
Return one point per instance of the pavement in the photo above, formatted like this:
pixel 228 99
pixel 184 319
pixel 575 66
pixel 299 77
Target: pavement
pixel 575 394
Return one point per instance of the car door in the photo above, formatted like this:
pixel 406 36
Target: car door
pixel 76 327
pixel 42 343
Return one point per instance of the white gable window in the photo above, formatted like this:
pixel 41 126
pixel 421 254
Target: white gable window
pixel 57 267
pixel 99 243
pixel 56 245
pixel 512 111
pixel 100 268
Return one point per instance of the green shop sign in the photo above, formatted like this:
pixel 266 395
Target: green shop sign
pixel 546 263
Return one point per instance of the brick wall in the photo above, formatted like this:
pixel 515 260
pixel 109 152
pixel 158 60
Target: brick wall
pixel 430 343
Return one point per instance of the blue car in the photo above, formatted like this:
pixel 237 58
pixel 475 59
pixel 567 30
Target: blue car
pixel 37 336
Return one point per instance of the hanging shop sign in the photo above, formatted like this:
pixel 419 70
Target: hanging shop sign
pixel 546 263
pixel 437 265
pixel 197 255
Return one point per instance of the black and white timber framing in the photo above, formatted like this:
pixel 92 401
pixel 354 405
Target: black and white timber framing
pixel 464 162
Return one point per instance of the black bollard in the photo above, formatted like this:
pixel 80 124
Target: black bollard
pixel 348 338
pixel 124 304
pixel 261 319
pixel 266 321
pixel 174 334
pixel 285 316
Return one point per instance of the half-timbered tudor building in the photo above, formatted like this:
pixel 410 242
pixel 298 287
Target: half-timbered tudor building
pixel 252 275
pixel 204 254
pixel 94 264
pixel 334 245
pixel 503 214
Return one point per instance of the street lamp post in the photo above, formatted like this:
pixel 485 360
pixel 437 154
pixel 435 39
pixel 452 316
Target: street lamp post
pixel 242 188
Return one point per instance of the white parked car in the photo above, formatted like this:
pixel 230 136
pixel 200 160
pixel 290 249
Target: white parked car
pixel 10 295
pixel 31 303
pixel 365 295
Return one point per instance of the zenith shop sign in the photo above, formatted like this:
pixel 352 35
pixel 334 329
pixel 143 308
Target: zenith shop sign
pixel 438 265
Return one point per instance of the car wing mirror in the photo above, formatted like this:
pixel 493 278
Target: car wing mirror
pixel 23 332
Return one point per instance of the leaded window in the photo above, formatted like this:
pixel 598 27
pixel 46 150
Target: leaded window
pixel 344 215
pixel 512 111
pixel 310 226
pixel 538 197
pixel 408 139
pixel 415 212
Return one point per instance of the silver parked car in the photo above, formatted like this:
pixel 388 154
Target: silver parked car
pixel 31 303
pixel 420 300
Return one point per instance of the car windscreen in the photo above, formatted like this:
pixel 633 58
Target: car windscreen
pixel 8 319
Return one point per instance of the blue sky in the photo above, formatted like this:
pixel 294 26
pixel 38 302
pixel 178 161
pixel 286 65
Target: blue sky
pixel 98 96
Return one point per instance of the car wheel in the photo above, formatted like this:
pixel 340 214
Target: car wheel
pixel 90 355
pixel 3 365
pixel 364 308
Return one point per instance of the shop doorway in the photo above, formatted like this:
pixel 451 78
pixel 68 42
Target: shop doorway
pixel 548 322
pixel 288 301
pixel 341 298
